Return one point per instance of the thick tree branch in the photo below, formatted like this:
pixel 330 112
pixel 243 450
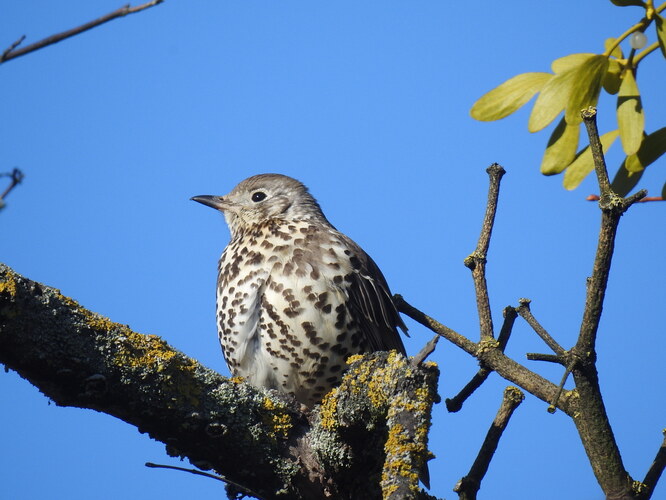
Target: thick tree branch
pixel 368 439
pixel 12 52
pixel 590 416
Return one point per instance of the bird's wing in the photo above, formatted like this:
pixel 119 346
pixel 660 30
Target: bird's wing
pixel 372 304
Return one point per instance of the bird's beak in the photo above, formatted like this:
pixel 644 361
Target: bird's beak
pixel 216 202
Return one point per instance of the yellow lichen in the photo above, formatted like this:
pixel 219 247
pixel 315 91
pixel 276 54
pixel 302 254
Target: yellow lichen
pixel 236 380
pixel 8 285
pixel 147 351
pixel 373 377
pixel 486 345
pixel 277 419
pixel 399 447
pixel 328 410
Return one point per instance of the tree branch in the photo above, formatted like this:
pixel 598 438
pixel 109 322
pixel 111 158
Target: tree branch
pixel 655 471
pixel 493 358
pixel 455 403
pixel 476 262
pixel 524 311
pixel 590 417
pixel 79 358
pixel 16 178
pixel 468 486
pixel 11 52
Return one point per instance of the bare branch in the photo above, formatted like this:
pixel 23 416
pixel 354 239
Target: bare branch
pixel 492 357
pixel 590 417
pixel 12 47
pixel 469 485
pixel 595 197
pixel 16 178
pixel 476 262
pixel 426 351
pixel 452 336
pixel 524 311
pixel 589 118
pixel 655 471
pixel 11 53
pixel 455 403
pixel 550 358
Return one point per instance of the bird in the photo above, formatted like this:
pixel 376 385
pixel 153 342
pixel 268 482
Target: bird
pixel 295 296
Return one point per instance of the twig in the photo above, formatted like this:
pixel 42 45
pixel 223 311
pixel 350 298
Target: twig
pixel 589 117
pixel 550 358
pixel 595 197
pixel 524 311
pixel 570 366
pixel 491 356
pixel 223 479
pixel 10 53
pixel 426 351
pixel 476 262
pixel 455 403
pixel 12 47
pixel 469 485
pixel 656 469
pixel 452 336
pixel 16 176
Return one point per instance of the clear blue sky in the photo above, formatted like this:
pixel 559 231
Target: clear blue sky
pixel 368 104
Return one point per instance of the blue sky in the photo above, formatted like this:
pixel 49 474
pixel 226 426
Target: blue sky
pixel 368 104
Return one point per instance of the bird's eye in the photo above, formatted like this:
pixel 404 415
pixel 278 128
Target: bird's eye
pixel 258 196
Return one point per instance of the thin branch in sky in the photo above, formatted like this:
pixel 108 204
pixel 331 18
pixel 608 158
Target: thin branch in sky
pixel 12 53
pixel 469 485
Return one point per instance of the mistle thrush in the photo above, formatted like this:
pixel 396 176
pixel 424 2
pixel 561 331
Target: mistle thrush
pixel 295 297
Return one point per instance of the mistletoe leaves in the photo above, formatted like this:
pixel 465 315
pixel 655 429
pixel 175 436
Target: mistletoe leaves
pixel 576 83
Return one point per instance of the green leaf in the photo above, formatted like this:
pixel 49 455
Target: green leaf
pixel 561 149
pixel 627 3
pixel 652 147
pixel 625 181
pixel 509 96
pixel 663 191
pixel 630 117
pixel 584 163
pixel 612 80
pixel 661 33
pixel 575 88
pixel 586 87
pixel 569 62
pixel 617 51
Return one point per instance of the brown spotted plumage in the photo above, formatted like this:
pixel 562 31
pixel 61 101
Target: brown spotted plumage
pixel 295 297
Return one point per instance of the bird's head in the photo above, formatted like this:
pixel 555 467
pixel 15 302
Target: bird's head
pixel 264 197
